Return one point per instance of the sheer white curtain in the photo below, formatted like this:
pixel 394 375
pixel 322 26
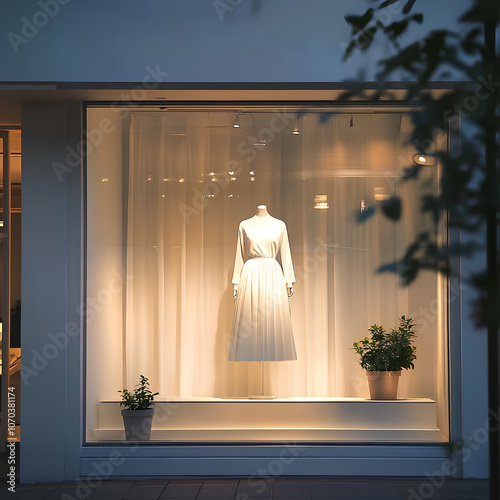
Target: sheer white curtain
pixel 192 178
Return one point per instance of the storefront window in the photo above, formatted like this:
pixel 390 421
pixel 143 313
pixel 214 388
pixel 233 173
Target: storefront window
pixel 166 191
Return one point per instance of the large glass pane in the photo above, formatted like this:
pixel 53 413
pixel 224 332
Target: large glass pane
pixel 166 193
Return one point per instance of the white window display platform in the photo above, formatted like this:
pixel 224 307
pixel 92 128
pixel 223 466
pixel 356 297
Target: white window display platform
pixel 269 420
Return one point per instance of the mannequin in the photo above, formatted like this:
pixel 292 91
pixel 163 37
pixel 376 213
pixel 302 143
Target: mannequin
pixel 262 212
pixel 263 280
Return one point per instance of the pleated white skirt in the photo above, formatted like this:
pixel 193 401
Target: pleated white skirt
pixel 262 325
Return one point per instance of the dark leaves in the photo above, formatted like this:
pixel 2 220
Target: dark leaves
pixel 325 117
pixel 411 172
pixel 397 28
pixel 391 208
pixel 466 197
pixel 358 23
pixel 366 214
pixel 408 6
pixel 385 4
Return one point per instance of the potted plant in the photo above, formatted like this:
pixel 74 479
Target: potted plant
pixel 138 414
pixel 384 355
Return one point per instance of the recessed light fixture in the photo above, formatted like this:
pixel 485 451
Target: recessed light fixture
pixel 380 193
pixel 104 179
pixel 259 143
pixel 321 201
pixel 423 160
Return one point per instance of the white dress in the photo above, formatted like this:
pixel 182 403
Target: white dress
pixel 262 326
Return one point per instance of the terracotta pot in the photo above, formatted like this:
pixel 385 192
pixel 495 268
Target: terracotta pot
pixel 383 385
pixel 138 424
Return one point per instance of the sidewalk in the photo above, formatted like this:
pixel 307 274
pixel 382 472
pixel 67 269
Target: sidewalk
pixel 250 489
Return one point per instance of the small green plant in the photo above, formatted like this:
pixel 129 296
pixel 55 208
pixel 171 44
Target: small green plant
pixel 141 399
pixel 388 351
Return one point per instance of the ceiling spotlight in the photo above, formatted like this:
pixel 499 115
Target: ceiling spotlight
pixel 380 194
pixel 236 121
pixel 104 179
pixel 181 179
pixel 321 201
pixel 296 130
pixel 251 172
pixel 423 160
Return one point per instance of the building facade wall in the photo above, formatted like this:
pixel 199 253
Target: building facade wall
pixel 152 45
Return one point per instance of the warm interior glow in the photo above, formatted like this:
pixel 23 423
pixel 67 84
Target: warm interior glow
pixel 320 201
pixel 424 160
pixel 174 245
